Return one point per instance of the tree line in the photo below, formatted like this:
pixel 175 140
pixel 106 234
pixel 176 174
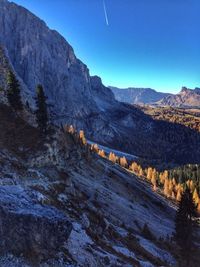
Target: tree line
pixel 167 182
pixel 14 99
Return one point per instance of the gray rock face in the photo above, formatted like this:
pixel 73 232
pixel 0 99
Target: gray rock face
pixel 39 55
pixel 29 228
pixel 42 56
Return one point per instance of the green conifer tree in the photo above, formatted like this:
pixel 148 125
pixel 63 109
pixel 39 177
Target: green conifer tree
pixel 184 226
pixel 13 92
pixel 41 111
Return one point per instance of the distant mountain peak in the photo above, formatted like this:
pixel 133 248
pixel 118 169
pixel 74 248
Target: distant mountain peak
pixel 185 98
pixel 184 89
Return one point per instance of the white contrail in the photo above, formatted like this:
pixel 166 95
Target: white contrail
pixel 105 12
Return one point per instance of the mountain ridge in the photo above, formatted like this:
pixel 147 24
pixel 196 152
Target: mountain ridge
pixel 146 96
pixel 133 95
pixel 185 98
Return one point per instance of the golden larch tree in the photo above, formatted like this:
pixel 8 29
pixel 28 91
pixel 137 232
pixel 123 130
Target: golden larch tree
pixel 161 178
pixel 153 177
pixel 196 196
pixel 192 187
pixel 165 174
pixel 149 173
pixel 134 167
pixel 166 188
pixel 123 162
pixel 141 172
pixel 112 157
pixel 198 207
pixel 102 153
pixel 95 148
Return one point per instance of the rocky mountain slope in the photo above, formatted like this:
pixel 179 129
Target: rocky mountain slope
pixel 62 205
pixel 37 54
pixel 138 96
pixel 187 98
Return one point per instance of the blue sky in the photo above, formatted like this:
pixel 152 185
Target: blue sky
pixel 148 43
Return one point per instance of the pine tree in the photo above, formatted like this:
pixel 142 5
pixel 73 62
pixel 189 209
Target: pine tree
pixel 13 92
pixel 184 226
pixel 69 129
pixel 41 111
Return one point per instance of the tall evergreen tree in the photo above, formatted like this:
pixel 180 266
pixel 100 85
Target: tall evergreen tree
pixel 41 111
pixel 184 225
pixel 13 92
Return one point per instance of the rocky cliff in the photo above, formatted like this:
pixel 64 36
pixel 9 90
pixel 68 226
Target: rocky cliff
pixel 40 55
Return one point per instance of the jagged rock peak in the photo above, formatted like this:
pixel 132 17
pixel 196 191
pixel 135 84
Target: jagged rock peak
pixel 184 89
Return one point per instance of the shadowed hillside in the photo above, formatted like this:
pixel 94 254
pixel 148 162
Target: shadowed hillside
pixel 187 117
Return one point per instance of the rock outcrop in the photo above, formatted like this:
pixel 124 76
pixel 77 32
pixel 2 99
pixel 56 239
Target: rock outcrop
pixel 28 228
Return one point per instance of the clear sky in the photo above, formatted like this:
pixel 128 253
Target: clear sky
pixel 147 43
